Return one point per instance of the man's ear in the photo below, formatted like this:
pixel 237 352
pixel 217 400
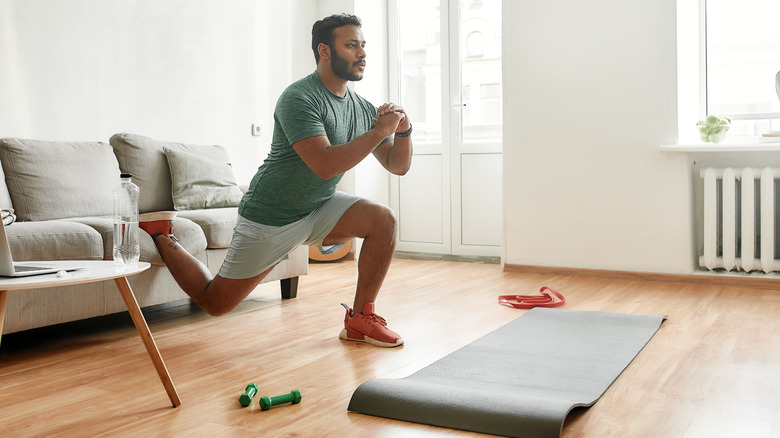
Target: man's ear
pixel 323 50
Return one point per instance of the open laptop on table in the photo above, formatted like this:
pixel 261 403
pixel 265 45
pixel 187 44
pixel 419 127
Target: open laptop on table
pixel 10 269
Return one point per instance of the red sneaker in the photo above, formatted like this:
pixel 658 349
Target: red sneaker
pixel 368 327
pixel 157 222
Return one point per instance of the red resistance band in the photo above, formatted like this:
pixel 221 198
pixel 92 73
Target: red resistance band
pixel 546 299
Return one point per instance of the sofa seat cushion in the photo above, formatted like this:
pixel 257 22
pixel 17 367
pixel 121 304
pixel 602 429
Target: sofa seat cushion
pixel 217 224
pixel 190 237
pixel 54 240
pixel 55 180
pixel 145 159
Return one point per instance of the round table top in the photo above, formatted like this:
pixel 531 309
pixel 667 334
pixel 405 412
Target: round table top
pixel 88 271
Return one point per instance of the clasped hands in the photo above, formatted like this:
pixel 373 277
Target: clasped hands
pixel 392 118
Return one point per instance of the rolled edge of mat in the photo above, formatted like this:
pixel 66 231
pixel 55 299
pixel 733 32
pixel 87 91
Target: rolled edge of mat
pixel 472 409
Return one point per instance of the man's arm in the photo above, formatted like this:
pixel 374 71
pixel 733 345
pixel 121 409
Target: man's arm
pixel 328 160
pixel 396 155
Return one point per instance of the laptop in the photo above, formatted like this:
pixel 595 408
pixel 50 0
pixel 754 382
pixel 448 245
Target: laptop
pixel 10 269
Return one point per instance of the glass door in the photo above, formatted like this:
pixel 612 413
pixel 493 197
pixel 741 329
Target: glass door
pixel 449 80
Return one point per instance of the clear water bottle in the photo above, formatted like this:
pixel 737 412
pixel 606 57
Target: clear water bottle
pixel 126 247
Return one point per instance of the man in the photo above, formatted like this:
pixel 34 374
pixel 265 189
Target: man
pixel 321 130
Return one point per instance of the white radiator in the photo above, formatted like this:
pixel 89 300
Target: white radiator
pixel 739 219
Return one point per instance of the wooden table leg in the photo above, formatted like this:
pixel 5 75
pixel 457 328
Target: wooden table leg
pixel 146 337
pixel 3 302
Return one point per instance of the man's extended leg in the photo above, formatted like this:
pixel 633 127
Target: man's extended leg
pixel 214 294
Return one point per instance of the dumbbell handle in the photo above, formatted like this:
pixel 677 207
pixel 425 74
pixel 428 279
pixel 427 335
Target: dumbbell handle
pixel 293 397
pixel 246 397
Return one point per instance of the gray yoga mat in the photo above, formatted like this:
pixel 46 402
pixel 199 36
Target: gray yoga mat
pixel 520 380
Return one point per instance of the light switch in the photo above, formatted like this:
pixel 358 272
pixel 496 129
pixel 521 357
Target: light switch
pixel 256 131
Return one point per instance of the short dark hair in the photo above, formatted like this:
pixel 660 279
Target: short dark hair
pixel 322 31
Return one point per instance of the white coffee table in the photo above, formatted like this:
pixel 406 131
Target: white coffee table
pixel 96 271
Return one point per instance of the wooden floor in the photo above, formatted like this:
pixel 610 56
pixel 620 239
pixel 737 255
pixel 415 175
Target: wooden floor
pixel 712 370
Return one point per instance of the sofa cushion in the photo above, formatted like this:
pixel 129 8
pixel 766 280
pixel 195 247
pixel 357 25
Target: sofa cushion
pixel 54 240
pixel 190 237
pixel 217 224
pixel 54 180
pixel 144 158
pixel 199 182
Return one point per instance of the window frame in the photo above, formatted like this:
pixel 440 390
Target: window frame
pixel 691 69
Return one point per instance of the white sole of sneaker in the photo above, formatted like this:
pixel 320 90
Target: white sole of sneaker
pixel 343 335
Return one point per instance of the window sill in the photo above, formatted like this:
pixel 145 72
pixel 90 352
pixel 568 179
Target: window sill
pixel 743 144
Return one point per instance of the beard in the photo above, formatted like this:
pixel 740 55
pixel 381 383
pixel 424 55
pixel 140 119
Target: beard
pixel 341 67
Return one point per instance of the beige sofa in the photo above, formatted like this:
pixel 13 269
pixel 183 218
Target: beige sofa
pixel 62 195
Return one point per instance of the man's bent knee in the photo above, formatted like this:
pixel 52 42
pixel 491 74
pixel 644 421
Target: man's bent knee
pixel 217 309
pixel 223 294
pixel 384 217
pixel 215 304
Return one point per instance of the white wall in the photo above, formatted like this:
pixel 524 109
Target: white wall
pixel 589 95
pixel 197 71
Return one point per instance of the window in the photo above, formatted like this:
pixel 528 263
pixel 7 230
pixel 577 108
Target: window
pixel 742 41
pixel 480 55
pixel 420 43
pixel 475 45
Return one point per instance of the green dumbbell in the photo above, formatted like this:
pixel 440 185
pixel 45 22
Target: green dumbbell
pixel 246 397
pixel 293 397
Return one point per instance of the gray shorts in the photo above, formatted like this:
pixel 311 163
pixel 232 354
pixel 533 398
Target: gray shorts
pixel 256 247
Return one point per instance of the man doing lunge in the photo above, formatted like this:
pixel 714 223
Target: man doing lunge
pixel 321 130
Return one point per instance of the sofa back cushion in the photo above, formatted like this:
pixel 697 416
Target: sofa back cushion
pixel 55 180
pixel 199 182
pixel 145 159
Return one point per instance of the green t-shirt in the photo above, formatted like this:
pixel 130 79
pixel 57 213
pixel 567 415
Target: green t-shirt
pixel 285 189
